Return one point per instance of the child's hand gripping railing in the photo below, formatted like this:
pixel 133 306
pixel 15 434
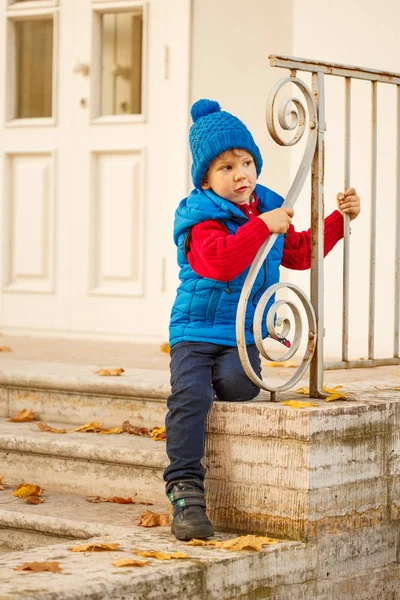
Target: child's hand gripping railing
pixel 298 118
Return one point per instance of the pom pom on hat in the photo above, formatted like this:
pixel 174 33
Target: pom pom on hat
pixel 213 132
pixel 204 107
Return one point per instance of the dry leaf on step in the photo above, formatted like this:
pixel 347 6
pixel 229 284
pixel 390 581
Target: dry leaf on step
pixel 333 393
pixel 116 430
pixel 165 348
pixel 24 490
pixel 24 416
pixel 245 542
pixel 5 349
pixel 95 547
pixel 1 486
pixel 278 365
pixel 298 404
pixel 128 428
pixel 130 562
pixel 39 567
pixel 90 427
pixel 34 500
pixel 161 555
pixel 45 427
pixel 116 500
pixel 158 434
pixel 150 519
pixel 110 372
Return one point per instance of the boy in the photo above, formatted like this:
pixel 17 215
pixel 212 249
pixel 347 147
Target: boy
pixel 218 230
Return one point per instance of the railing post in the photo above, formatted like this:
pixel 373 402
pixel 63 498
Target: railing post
pixel 317 238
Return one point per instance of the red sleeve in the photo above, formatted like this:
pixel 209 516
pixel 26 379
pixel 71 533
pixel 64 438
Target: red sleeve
pixel 217 254
pixel 297 248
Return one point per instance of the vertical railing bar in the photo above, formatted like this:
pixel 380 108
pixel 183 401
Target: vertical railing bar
pixel 396 346
pixel 346 247
pixel 372 258
pixel 317 238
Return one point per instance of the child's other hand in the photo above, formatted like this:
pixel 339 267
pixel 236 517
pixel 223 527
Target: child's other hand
pixel 349 203
pixel 278 220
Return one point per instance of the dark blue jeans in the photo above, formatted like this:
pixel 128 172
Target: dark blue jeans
pixel 199 371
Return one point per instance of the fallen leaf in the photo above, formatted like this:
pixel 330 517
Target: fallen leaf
pixel 89 428
pixel 195 542
pixel 161 555
pixel 5 349
pixel 45 427
pixel 34 500
pixel 128 428
pixel 116 500
pixel 333 394
pixel 130 562
pixel 110 372
pixel 24 490
pixel 284 364
pixel 245 542
pixel 165 348
pixel 95 547
pixel 39 567
pixel 150 519
pixel 24 416
pixel 1 479
pixel 158 434
pixel 298 404
pixel 116 430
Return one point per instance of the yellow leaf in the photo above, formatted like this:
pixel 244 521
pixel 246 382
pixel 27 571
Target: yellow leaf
pixel 116 430
pixel 24 416
pixel 158 434
pixel 334 397
pixel 110 372
pixel 27 489
pixel 161 555
pixel 39 567
pixel 5 349
pixel 245 542
pixel 298 404
pixel 165 348
pixel 284 364
pixel 305 391
pixel 95 547
pixel 89 428
pixel 45 427
pixel 130 562
pixel 150 519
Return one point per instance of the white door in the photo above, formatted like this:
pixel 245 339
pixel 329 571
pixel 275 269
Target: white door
pixel 92 163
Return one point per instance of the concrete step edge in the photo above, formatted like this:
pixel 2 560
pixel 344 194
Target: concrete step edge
pixel 116 449
pixel 134 383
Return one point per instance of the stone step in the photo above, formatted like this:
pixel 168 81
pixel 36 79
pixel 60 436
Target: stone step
pixel 296 474
pixel 86 463
pixel 350 566
pixel 68 393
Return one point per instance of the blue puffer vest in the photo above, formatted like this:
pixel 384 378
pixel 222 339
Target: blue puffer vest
pixel 205 309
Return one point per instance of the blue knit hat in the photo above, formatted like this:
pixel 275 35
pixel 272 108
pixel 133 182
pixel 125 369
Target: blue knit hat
pixel 214 131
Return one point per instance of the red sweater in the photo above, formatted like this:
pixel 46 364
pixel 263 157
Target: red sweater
pixel 217 254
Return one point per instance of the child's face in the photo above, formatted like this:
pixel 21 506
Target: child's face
pixel 232 175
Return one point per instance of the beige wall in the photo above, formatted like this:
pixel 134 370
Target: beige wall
pixel 363 33
pixel 230 63
pixel 231 43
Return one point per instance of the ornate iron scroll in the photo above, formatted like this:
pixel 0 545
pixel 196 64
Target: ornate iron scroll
pixel 298 117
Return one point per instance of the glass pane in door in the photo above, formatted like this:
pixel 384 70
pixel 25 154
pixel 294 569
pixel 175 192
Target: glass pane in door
pixel 34 66
pixel 121 81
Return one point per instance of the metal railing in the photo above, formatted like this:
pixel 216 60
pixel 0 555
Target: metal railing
pixel 294 110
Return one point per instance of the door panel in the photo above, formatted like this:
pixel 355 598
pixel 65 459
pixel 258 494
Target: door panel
pixel 91 163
